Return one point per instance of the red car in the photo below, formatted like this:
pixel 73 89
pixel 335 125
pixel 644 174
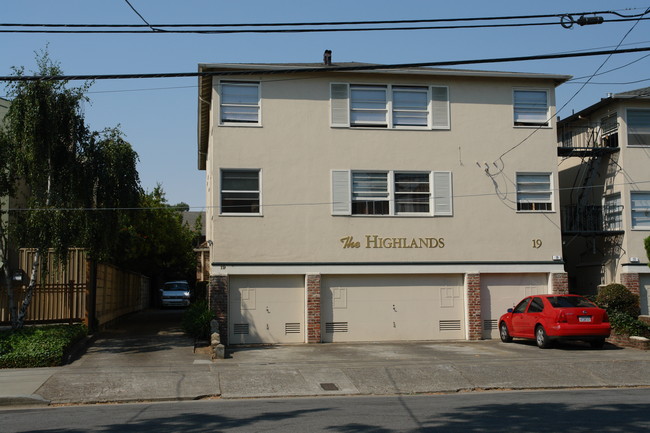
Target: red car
pixel 546 318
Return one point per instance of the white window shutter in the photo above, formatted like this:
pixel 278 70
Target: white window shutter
pixel 341 193
pixel 442 193
pixel 339 102
pixel 440 107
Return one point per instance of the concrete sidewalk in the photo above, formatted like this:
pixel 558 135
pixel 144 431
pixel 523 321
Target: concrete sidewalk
pixel 149 359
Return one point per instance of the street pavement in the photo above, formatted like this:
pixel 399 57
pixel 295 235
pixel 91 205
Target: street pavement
pixel 146 357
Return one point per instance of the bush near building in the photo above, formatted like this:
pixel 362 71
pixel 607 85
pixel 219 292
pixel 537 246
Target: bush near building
pixel 196 320
pixel 623 310
pixel 42 346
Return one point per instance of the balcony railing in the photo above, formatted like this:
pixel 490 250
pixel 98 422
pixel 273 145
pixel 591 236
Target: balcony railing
pixel 590 219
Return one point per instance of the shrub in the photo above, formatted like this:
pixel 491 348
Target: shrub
pixel 196 320
pixel 42 346
pixel 623 323
pixel 617 298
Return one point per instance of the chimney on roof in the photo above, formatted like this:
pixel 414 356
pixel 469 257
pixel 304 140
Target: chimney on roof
pixel 327 57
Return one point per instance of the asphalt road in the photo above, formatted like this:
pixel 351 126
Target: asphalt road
pixel 594 410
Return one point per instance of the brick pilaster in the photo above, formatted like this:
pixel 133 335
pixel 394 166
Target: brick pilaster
pixel 312 282
pixel 218 301
pixel 560 283
pixel 631 281
pixel 474 306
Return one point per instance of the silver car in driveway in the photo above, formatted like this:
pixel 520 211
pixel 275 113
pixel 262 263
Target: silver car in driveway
pixel 175 294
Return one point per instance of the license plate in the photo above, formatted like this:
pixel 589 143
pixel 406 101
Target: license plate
pixel 584 318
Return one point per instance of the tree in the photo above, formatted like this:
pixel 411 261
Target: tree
pixel 646 243
pixel 156 242
pixel 76 179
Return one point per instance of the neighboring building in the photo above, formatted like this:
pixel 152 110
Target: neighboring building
pixel 377 204
pixel 201 249
pixel 605 183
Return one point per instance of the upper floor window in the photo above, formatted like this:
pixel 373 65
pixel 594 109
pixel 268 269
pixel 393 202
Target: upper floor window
pixel 640 210
pixel 638 127
pixel 388 106
pixel 612 212
pixel 240 191
pixel 391 193
pixel 530 107
pixel 239 102
pixel 534 192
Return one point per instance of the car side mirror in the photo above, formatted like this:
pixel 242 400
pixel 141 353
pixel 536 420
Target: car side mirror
pixel 510 310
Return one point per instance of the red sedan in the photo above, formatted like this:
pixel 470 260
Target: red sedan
pixel 546 318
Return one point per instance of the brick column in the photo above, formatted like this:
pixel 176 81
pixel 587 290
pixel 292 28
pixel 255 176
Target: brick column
pixel 560 283
pixel 312 282
pixel 218 301
pixel 474 306
pixel 631 281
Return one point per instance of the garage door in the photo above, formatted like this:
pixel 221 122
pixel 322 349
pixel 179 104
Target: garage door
pixel 502 291
pixel 266 309
pixel 644 292
pixel 392 308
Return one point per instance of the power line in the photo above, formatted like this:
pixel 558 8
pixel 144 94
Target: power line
pixel 158 27
pixel 319 69
pixel 161 30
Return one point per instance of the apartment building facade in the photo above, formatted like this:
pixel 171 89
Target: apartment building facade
pixel 604 174
pixel 355 202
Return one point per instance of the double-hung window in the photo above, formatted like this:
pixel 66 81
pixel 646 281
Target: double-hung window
pixel 612 212
pixel 638 127
pixel 239 103
pixel 240 191
pixel 531 107
pixel 389 106
pixel 534 192
pixel 415 193
pixel 640 210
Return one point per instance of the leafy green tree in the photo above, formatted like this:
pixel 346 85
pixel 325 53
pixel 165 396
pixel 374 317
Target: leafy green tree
pixel 156 241
pixel 70 172
pixel 646 243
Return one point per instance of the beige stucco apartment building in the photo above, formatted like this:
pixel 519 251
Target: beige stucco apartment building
pixel 355 202
pixel 605 180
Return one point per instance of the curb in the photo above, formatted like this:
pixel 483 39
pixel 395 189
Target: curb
pixel 24 400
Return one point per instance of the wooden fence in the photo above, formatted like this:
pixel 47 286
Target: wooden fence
pixel 62 301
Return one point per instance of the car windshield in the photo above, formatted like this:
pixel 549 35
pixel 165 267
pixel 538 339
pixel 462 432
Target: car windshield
pixel 176 287
pixel 570 302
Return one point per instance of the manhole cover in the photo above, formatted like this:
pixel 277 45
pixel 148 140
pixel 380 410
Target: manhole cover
pixel 329 386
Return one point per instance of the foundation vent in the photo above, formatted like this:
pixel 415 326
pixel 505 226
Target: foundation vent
pixel 332 327
pixel 240 329
pixel 490 324
pixel 449 325
pixel 292 328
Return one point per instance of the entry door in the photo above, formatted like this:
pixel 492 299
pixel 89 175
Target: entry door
pixel 269 309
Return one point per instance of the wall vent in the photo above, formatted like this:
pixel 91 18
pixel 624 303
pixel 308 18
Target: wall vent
pixel 292 328
pixel 240 329
pixel 490 324
pixel 449 325
pixel 332 327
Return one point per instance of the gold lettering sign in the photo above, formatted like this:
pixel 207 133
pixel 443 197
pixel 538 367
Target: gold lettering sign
pixel 376 241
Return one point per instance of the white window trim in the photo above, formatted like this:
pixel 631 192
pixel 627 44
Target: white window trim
pixel 257 124
pixel 342 107
pixel 549 119
pixel 632 226
pixel 342 204
pixel 259 191
pixel 551 190
pixel 627 128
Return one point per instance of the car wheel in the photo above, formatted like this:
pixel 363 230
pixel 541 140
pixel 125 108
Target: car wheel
pixel 542 339
pixel 597 344
pixel 504 334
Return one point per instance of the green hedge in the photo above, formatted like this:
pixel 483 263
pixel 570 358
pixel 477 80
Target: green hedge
pixel 42 346
pixel 196 320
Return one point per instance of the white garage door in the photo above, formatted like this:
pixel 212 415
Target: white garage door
pixel 392 307
pixel 502 291
pixel 266 309
pixel 644 292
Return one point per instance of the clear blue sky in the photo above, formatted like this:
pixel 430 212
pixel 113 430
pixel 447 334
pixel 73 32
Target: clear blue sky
pixel 158 116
